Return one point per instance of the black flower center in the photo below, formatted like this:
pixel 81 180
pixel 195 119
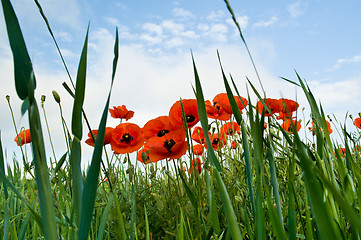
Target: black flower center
pixel 126 138
pixel 190 118
pixel 215 141
pixel 168 144
pixel 161 133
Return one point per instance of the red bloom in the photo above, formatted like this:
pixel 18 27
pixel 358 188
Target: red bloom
pixel 121 112
pixel 215 111
pixel 107 136
pixel 341 151
pixel 126 138
pixel 158 127
pixel 357 122
pixel 222 99
pixel 284 116
pixel 274 105
pixel 288 105
pixel 287 125
pixel 196 164
pixel 171 145
pixel 198 135
pixel 190 111
pixel 23 137
pixel 218 141
pixel 234 144
pixel 313 128
pixel 198 149
pixel 143 156
pixel 230 128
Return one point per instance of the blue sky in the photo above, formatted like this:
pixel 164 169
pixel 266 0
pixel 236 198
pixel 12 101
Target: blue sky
pixel 319 39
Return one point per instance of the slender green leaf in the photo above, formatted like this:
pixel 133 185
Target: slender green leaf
pixel 76 126
pixel 104 218
pixel 203 118
pixel 91 181
pixel 23 68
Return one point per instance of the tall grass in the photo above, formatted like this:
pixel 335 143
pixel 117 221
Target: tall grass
pixel 272 184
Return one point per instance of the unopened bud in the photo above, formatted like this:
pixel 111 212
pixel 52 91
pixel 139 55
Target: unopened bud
pixel 8 98
pixel 56 96
pixel 43 98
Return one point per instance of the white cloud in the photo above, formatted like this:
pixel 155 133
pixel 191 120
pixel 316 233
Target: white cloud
pixel 267 23
pixel 217 32
pixel 341 61
pixel 215 16
pixel 203 27
pixel 170 25
pixel 183 13
pixel 63 36
pixel 296 9
pixel 155 35
pixel 153 28
pixel 242 21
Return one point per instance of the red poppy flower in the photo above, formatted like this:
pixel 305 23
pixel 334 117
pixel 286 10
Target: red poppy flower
pixel 126 138
pixel 274 105
pixel 23 137
pixel 196 164
pixel 287 125
pixel 198 149
pixel 284 116
pixel 230 128
pixel 357 122
pixel 234 144
pixel 143 156
pixel 190 111
pixel 288 105
pixel 222 99
pixel 121 112
pixel 215 111
pixel 341 151
pixel 107 136
pixel 198 135
pixel 218 141
pixel 313 128
pixel 158 127
pixel 171 145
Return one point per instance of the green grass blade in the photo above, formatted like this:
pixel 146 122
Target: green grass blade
pixel 6 220
pixel 326 228
pixel 91 181
pixel 245 143
pixel 11 187
pixel 133 211
pixel 212 206
pixel 227 206
pixel 203 118
pixel 180 234
pixel 189 192
pixel 270 156
pixel 76 126
pixel 23 68
pixel 276 222
pixel 104 218
pixel 147 232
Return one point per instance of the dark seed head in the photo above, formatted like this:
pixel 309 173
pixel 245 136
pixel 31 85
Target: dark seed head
pixel 168 144
pixel 126 138
pixel 162 133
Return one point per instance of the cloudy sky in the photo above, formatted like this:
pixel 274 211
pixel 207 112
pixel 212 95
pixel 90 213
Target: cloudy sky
pixel 318 39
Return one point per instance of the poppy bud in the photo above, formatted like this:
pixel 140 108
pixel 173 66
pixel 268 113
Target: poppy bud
pixel 8 98
pixel 56 96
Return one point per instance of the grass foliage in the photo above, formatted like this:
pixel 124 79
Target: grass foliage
pixel 273 185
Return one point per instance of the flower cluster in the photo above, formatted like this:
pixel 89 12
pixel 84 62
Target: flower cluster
pixel 164 137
